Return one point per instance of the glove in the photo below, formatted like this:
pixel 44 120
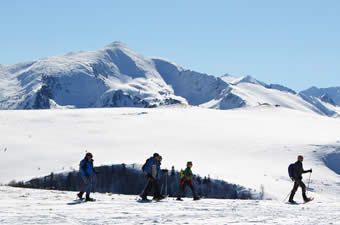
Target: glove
pixel 87 176
pixel 292 178
pixel 310 170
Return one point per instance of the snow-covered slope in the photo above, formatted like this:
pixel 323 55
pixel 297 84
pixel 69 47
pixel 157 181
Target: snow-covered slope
pixel 250 146
pixel 26 206
pixel 247 91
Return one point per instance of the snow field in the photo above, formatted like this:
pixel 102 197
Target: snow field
pixel 27 206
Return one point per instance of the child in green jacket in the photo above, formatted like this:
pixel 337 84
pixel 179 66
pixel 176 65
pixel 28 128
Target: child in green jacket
pixel 186 179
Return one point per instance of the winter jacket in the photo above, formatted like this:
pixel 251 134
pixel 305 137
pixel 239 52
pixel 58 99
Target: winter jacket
pixel 187 176
pixel 153 167
pixel 86 167
pixel 298 171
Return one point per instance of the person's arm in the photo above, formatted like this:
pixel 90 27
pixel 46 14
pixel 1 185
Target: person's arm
pixel 154 171
pixel 306 171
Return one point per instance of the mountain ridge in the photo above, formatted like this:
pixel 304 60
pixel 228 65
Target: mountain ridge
pixel 117 76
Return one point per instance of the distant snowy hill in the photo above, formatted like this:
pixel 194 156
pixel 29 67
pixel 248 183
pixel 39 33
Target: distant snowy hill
pixel 116 76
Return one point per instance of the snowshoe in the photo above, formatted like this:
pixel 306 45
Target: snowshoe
pixel 308 200
pixel 90 200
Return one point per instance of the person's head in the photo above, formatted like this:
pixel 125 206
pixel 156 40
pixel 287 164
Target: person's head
pixel 189 164
pixel 156 156
pixel 300 158
pixel 89 155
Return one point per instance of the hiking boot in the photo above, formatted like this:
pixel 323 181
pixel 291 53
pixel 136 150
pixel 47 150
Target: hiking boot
pixel 88 199
pixel 292 202
pixel 196 198
pixel 80 195
pixel 179 199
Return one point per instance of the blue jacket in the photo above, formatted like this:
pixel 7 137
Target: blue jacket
pixel 149 164
pixel 86 167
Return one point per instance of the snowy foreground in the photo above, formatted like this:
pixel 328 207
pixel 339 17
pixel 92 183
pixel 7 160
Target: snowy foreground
pixel 251 147
pixel 27 206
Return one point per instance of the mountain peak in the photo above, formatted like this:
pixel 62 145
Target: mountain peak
pixel 116 44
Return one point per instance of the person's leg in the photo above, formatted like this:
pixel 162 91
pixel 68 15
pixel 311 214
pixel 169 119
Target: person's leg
pixel 193 191
pixel 303 187
pixel 82 188
pixel 147 189
pixel 88 187
pixel 296 185
pixel 181 190
pixel 157 193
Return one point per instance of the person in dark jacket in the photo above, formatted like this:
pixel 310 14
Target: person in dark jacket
pixel 297 178
pixel 152 170
pixel 186 180
pixel 87 172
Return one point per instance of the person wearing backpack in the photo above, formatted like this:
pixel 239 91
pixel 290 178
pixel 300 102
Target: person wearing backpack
pixel 152 170
pixel 186 180
pixel 87 172
pixel 295 172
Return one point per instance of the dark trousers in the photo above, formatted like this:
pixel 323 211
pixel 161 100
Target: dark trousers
pixel 297 184
pixel 182 189
pixel 152 182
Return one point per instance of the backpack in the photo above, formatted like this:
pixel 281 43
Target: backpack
pixel 146 162
pixel 182 173
pixel 291 170
pixel 84 166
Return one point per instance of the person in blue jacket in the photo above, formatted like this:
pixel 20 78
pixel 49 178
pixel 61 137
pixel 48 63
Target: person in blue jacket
pixel 152 169
pixel 87 172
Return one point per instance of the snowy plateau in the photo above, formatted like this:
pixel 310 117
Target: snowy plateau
pixel 122 107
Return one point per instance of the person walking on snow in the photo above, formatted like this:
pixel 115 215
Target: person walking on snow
pixel 297 178
pixel 87 172
pixel 152 169
pixel 186 180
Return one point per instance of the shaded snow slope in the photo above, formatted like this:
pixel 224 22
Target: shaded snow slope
pixel 251 94
pixel 250 147
pixel 332 93
pixel 27 206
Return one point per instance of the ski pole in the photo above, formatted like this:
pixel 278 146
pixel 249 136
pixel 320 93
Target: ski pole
pixel 82 186
pixel 93 184
pixel 287 196
pixel 308 182
pixel 166 184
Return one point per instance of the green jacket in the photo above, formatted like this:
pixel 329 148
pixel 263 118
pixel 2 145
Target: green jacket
pixel 187 174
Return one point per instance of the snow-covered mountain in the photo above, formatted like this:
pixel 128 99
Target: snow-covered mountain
pixel 116 76
pixel 329 95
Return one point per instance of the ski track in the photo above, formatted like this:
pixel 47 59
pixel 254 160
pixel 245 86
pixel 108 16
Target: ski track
pixel 29 206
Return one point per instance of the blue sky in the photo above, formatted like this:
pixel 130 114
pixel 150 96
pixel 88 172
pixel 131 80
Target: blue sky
pixel 294 43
